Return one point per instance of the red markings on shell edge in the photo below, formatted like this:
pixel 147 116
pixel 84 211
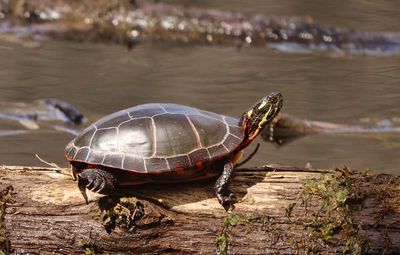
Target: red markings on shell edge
pixel 218 150
pixel 199 156
pixel 180 170
pixel 178 162
pixel 70 153
pixel 200 165
pixel 91 166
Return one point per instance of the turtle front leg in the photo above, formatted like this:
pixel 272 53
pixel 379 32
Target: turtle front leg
pixel 96 180
pixel 225 197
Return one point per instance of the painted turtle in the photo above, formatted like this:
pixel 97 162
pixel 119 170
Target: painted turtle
pixel 166 143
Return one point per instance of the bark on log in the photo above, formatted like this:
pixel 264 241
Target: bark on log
pixel 281 210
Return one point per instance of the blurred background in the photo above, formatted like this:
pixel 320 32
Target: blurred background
pixel 100 79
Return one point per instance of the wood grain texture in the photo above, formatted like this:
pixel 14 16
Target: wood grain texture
pixel 48 215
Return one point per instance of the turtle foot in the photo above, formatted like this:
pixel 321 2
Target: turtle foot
pixel 96 180
pixel 227 200
pixel 225 197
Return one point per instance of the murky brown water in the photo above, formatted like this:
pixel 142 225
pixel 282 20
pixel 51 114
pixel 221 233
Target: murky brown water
pixel 100 79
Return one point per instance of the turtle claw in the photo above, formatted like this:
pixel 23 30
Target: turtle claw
pixel 95 180
pixel 232 197
pixel 101 187
pixel 227 201
pixel 90 185
pixel 98 185
pixel 82 188
pixel 74 175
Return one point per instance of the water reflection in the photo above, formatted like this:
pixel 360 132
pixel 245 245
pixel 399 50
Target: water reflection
pixel 101 79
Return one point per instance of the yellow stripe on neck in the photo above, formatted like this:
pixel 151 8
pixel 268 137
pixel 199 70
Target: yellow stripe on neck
pixel 262 105
pixel 237 157
pixel 264 119
pixel 249 113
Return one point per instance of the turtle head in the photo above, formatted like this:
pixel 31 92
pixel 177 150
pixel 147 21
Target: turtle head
pixel 261 114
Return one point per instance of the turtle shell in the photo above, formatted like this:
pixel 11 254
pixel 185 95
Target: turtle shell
pixel 156 138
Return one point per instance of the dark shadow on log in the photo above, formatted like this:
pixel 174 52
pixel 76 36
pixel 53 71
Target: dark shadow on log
pixel 166 196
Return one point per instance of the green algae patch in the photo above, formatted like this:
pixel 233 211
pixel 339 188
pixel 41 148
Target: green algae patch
pixel 223 243
pixel 90 248
pixel 339 196
pixel 325 212
pixel 125 214
pixel 129 213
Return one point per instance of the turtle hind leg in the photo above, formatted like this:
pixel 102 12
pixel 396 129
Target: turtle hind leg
pixel 96 180
pixel 225 197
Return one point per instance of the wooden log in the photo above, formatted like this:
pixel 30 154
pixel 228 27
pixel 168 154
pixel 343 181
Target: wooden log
pixel 281 210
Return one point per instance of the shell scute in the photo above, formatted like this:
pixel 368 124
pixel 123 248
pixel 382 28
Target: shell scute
pixel 218 150
pixel 95 158
pixel 209 130
pixel 114 160
pixel 179 162
pixel 232 142
pixel 145 112
pixel 201 155
pixel 70 151
pixel 174 135
pixel 115 121
pixel 84 138
pixel 82 153
pixel 133 162
pixel 212 115
pixel 156 164
pixel 176 108
pixel 104 140
pixel 136 137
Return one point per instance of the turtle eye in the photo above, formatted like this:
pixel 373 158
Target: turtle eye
pixel 272 99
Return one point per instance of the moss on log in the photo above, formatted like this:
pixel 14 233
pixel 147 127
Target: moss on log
pixel 281 210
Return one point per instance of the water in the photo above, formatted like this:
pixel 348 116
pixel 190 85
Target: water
pixel 100 79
